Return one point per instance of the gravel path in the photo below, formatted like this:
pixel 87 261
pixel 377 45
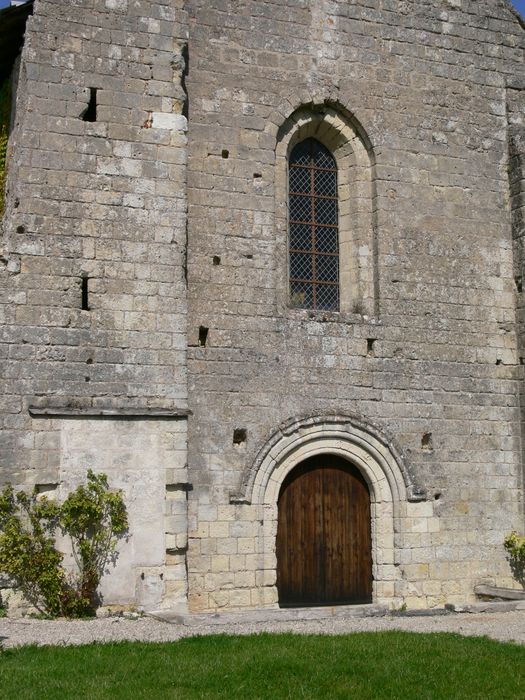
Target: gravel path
pixel 508 626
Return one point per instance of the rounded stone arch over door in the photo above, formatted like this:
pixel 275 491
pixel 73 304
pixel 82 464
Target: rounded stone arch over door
pixel 323 542
pixel 390 485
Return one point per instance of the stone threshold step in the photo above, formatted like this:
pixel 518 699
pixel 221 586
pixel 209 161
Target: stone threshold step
pixel 268 615
pixel 499 592
pixel 262 615
pixel 486 607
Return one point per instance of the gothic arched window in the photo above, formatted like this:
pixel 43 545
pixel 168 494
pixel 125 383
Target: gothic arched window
pixel 313 227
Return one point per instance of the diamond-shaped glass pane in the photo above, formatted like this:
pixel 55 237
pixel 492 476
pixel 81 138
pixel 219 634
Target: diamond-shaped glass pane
pixel 326 239
pixel 325 182
pixel 301 295
pixel 326 211
pixel 300 180
pixel 327 297
pixel 301 266
pixel 311 152
pixel 300 208
pixel 300 237
pixel 302 153
pixel 322 156
pixel 326 268
pixel 314 247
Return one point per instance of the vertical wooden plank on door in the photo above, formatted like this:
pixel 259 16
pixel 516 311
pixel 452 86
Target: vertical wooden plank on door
pixel 300 564
pixel 323 535
pixel 349 524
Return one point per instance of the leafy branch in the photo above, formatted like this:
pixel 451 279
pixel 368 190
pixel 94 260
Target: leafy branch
pixel 92 516
pixel 515 546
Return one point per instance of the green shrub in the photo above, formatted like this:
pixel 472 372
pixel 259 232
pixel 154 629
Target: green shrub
pixel 93 517
pixel 515 546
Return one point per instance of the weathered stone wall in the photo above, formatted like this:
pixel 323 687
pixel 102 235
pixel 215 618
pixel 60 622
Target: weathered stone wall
pixel 103 199
pixel 516 170
pixel 417 380
pixel 435 365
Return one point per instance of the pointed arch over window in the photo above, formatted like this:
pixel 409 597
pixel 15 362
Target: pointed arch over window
pixel 313 227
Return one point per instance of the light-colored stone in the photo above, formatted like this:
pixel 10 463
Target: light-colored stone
pixel 191 379
pixel 175 122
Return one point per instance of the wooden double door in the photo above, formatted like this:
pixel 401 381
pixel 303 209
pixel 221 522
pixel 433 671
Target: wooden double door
pixel 324 553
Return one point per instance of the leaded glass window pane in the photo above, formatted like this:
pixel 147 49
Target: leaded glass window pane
pixel 313 211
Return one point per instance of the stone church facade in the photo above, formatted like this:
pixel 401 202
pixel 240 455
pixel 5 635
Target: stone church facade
pixel 247 243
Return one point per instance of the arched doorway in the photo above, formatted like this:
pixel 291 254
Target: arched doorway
pixel 323 547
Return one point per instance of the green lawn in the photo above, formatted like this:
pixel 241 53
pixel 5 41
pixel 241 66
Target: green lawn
pixel 371 665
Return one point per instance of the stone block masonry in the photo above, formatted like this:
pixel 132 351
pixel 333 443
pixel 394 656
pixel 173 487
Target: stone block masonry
pixel 92 282
pixel 146 323
pixel 427 349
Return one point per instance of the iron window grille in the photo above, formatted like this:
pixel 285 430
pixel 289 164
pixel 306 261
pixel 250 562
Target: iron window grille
pixel 313 227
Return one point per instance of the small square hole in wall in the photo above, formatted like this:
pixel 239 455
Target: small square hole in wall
pixel 426 442
pixel 225 153
pixel 216 260
pixel 370 349
pixel 45 489
pixel 239 436
pixel 203 336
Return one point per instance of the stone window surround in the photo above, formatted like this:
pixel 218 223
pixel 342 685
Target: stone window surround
pixel 349 145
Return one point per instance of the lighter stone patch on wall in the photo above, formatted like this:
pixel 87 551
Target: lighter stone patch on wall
pixel 138 457
pixel 118 5
pixel 165 120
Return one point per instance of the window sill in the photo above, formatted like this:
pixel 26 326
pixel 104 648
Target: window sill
pixel 321 316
